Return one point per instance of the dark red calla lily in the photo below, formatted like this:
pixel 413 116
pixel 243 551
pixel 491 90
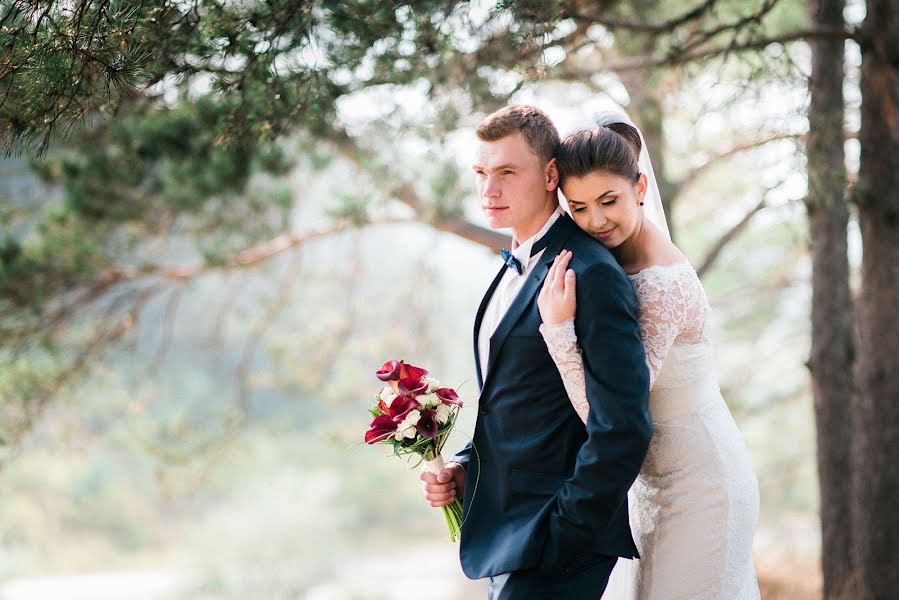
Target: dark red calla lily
pixel 407 371
pixel 413 386
pixel 390 371
pixel 381 429
pixel 427 424
pixel 401 406
pixel 448 396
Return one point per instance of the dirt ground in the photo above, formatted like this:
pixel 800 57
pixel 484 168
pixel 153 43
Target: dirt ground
pixel 786 580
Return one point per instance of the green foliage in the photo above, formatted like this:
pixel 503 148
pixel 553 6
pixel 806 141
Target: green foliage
pixel 64 61
pixel 169 160
pixel 24 379
pixel 216 88
pixel 274 66
pixel 63 251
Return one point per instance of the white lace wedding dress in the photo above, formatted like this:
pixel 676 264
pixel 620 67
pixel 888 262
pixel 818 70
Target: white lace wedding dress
pixel 694 505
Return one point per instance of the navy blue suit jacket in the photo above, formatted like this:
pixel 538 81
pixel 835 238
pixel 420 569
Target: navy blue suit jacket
pixel 544 491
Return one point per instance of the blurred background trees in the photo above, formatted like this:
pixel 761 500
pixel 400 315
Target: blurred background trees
pixel 167 157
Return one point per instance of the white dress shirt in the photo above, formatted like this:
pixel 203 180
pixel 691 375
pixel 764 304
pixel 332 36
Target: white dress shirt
pixel 508 288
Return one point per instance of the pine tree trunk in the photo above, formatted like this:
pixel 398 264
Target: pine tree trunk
pixel 830 363
pixel 875 452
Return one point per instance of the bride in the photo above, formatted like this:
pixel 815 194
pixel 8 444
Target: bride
pixel 695 502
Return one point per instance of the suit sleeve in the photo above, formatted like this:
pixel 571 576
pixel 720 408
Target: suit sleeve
pixel 619 426
pixel 462 456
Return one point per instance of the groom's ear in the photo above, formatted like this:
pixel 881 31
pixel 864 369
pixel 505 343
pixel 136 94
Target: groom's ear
pixel 552 175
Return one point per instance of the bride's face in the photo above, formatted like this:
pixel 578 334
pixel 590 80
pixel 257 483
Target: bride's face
pixel 606 205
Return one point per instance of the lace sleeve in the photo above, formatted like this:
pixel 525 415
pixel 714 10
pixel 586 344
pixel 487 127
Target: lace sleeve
pixel 672 307
pixel 561 341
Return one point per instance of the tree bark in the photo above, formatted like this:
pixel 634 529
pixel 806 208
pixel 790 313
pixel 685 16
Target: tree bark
pixel 875 435
pixel 830 362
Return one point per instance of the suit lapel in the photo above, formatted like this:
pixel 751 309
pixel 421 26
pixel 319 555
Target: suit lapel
pixel 559 233
pixel 477 323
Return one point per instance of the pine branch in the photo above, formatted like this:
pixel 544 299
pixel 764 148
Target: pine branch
pixel 694 173
pixel 734 27
pixel 715 251
pixel 114 276
pixel 350 149
pixel 638 63
pixel 638 26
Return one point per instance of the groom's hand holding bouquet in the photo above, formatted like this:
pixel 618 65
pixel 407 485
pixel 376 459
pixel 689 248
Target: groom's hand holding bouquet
pixel 443 488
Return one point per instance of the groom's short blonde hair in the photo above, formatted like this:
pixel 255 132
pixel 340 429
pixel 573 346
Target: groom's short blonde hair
pixel 531 122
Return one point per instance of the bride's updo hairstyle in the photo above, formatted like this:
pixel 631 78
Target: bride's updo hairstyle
pixel 614 148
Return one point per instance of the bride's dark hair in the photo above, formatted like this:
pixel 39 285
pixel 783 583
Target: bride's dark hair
pixel 614 148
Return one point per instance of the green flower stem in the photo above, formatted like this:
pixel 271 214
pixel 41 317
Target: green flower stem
pixel 453 515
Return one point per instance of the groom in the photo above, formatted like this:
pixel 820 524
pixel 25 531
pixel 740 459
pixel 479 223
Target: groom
pixel 545 498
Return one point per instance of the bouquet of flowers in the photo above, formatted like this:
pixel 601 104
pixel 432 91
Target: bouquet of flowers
pixel 415 415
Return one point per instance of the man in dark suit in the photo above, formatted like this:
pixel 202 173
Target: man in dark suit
pixel 544 496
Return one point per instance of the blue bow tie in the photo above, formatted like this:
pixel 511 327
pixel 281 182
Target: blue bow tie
pixel 539 246
pixel 511 261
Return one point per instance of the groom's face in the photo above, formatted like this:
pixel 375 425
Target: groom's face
pixel 515 186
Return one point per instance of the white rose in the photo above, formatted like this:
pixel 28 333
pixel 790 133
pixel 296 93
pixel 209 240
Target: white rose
pixel 404 430
pixel 443 413
pixel 407 427
pixel 433 384
pixel 387 395
pixel 413 417
pixel 428 400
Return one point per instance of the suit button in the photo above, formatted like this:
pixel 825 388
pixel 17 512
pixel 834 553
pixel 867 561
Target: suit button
pixel 482 411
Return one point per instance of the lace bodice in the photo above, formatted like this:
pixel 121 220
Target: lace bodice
pixel 673 312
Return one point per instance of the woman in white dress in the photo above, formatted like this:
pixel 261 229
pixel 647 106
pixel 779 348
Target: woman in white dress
pixel 694 505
